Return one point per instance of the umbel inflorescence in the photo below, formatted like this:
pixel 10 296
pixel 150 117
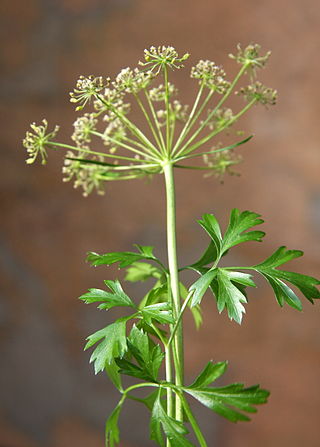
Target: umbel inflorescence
pixel 108 145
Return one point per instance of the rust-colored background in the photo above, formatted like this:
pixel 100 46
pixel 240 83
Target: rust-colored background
pixel 49 395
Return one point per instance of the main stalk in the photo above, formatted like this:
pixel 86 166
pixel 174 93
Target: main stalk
pixel 178 355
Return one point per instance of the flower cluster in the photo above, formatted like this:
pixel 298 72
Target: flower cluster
pixel 178 112
pixel 132 81
pixel 159 93
pixel 220 118
pixel 111 102
pixel 86 87
pixel 114 133
pixel 220 163
pixel 158 57
pixel 86 175
pixel 211 75
pixel 35 142
pixel 161 140
pixel 83 126
pixel 260 93
pixel 250 57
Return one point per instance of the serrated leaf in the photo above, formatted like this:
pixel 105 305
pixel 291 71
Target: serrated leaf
pixel 112 432
pixel 239 223
pixel 160 312
pixel 147 354
pixel 210 373
pixel 117 297
pixel 306 284
pixel 113 344
pixel 229 296
pixel 279 257
pixel 200 287
pixel 173 429
pixel 124 258
pixel 141 271
pixel 228 400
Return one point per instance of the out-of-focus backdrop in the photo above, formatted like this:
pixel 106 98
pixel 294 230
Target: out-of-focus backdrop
pixel 49 394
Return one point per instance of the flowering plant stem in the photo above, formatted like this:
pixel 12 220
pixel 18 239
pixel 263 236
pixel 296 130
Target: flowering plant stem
pixel 156 336
pixel 174 281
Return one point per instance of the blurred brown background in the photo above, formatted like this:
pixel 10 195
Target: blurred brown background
pixel 49 394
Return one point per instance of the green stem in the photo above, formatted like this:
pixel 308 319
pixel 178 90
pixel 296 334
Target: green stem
pixel 176 325
pixel 170 400
pixel 154 133
pixel 90 152
pixel 167 99
pixel 155 118
pixel 121 144
pixel 214 151
pixel 199 112
pixel 131 126
pixel 174 280
pixel 193 422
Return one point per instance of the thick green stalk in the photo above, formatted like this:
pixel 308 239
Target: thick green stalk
pixel 174 280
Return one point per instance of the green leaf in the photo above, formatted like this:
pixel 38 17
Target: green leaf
pixel 210 373
pixel 200 287
pixel 228 400
pixel 112 344
pixel 238 224
pixel 209 256
pixel 306 284
pixel 173 429
pixel 160 312
pixel 117 297
pixel 124 258
pixel 229 295
pixel 141 271
pixel 112 370
pixel 150 399
pixel 211 225
pixel 279 257
pixel 159 293
pixel 147 354
pixel 112 429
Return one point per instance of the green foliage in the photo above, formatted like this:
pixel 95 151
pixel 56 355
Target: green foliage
pixel 174 430
pixel 112 344
pixel 117 297
pixel 161 312
pixel 227 400
pixel 112 429
pixel 147 354
pixel 228 284
pixel 235 234
pixel 306 284
pixel 124 258
pixel 141 271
